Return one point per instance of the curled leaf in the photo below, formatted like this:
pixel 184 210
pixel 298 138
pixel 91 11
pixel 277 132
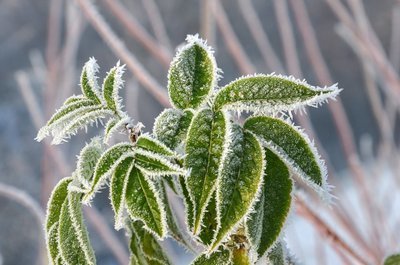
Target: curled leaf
pixel 89 85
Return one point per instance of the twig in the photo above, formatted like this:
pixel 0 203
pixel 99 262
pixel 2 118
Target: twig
pixel 157 23
pixel 256 29
pixel 207 22
pixel 119 48
pixel 130 23
pixel 231 40
pixel 327 233
pixel 28 202
pixel 394 51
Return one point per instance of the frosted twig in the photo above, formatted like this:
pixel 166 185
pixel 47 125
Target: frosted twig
pixel 137 31
pixel 259 35
pixel 119 48
pixel 157 23
pixel 231 40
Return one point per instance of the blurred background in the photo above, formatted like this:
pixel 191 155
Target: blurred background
pixel 355 43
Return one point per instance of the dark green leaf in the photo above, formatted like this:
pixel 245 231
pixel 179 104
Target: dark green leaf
pixel 187 201
pixel 56 201
pixel 220 257
pixel 150 144
pixel 392 260
pixel 112 83
pixel 209 225
pixel 89 85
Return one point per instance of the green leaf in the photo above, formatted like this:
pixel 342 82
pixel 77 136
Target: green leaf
pixel 220 257
pixel 106 166
pixel 150 144
pixel 187 202
pixel 52 244
pixel 89 85
pixel 192 74
pixel 56 201
pixel 270 93
pixel 153 164
pixel 293 147
pixel 240 256
pixel 74 99
pixel 279 255
pixel 111 85
pixel 265 224
pixel 204 148
pixel 113 125
pixel 137 255
pixel 392 260
pixel 143 203
pixel 150 247
pixel 209 224
pixel 73 238
pixel 239 182
pixel 170 127
pixel 87 160
pixel 118 186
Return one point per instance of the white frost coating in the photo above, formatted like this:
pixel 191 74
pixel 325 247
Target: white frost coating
pixel 324 190
pixel 119 217
pixel 79 232
pixel 103 179
pixel 112 127
pixel 192 40
pixel 95 148
pixel 92 68
pixel 172 154
pixel 47 238
pixel 265 107
pixel 117 85
pixel 174 169
pixel 89 118
pixel 249 210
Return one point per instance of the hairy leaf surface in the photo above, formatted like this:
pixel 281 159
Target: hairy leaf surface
pixel 87 161
pixel 187 201
pixel 73 238
pixel 111 85
pixel 264 225
pixel 239 182
pixel 204 148
pixel 192 74
pixel 143 203
pixel 293 147
pixel 153 164
pixel 270 93
pixel 118 186
pixel 56 201
pixel 209 224
pixel 220 257
pixel 89 85
pixel 150 144
pixel 171 126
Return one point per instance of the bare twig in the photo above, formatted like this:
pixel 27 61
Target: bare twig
pixel 119 48
pixel 159 51
pixel 157 23
pixel 231 40
pixel 207 22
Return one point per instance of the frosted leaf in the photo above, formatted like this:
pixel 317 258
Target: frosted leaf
pixel 392 260
pixel 151 249
pixel 153 164
pixel 143 203
pixel 293 147
pixel 87 160
pixel 279 255
pixel 89 85
pixel 118 186
pixel 137 256
pixel 209 222
pixel 74 99
pixel 106 166
pixel 271 94
pixel 73 238
pixel 189 212
pixel 239 183
pixel 220 257
pixel 171 126
pixel 192 74
pixel 204 148
pixel 265 224
pixel 52 244
pixel 113 125
pixel 240 256
pixel 146 142
pixel 111 86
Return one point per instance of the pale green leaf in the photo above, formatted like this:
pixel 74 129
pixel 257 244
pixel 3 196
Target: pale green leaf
pixel 170 127
pixel 89 85
pixel 220 257
pixel 56 201
pixel 204 148
pixel 87 160
pixel 74 99
pixel 392 260
pixel 52 244
pixel 143 203
pixel 106 166
pixel 118 186
pixel 150 247
pixel 293 147
pixel 265 224
pixel 239 182
pixel 111 85
pixel 153 164
pixel 192 74
pixel 240 256
pixel 270 93
pixel 148 143
pixel 73 238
